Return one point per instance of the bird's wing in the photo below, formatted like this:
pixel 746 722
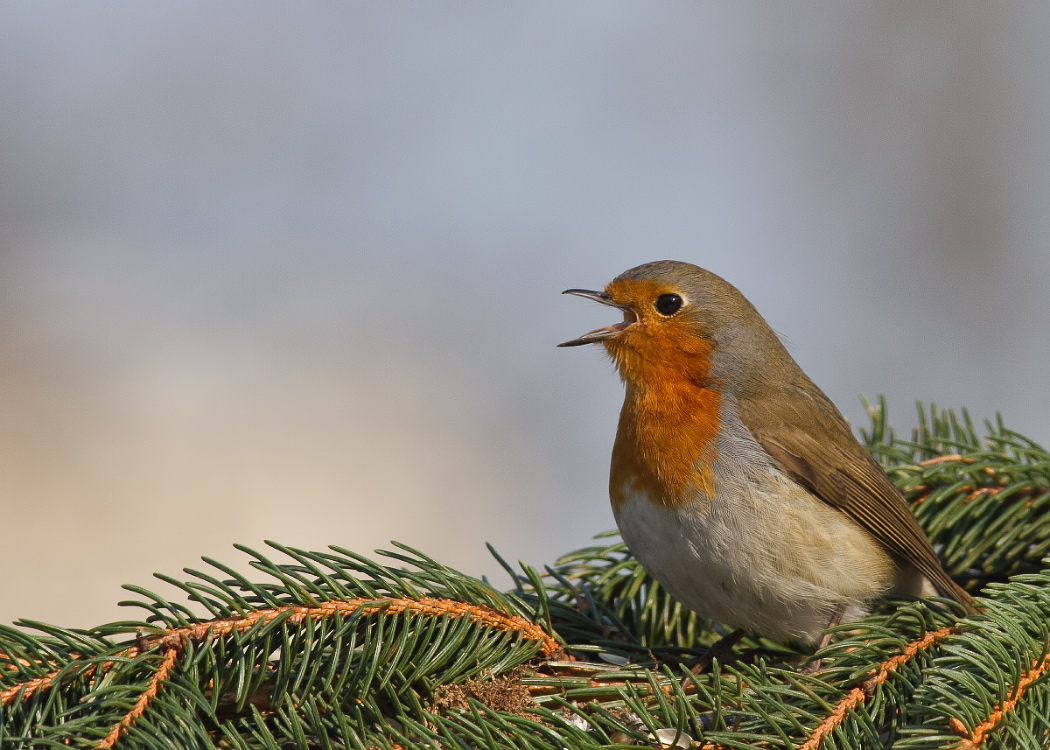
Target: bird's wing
pixel 843 474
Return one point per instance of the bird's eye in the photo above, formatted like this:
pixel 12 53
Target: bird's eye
pixel 668 304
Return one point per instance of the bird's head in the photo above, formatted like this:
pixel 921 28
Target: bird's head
pixel 681 323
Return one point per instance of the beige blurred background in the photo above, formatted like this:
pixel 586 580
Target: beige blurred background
pixel 292 271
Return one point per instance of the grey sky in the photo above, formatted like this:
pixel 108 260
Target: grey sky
pixel 292 271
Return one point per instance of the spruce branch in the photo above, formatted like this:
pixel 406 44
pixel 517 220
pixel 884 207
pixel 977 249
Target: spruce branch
pixel 331 649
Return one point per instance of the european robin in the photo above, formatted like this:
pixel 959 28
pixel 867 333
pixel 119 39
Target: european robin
pixel 735 481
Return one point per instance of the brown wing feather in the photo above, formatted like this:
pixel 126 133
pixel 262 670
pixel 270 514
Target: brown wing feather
pixel 839 471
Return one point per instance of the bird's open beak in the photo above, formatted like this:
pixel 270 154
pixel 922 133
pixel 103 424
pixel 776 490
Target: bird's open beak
pixel 608 332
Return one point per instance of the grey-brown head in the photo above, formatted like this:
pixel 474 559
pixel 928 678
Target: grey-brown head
pixel 677 315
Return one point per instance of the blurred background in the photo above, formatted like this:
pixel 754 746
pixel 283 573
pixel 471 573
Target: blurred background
pixel 292 272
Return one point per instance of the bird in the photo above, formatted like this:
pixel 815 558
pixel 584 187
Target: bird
pixel 734 481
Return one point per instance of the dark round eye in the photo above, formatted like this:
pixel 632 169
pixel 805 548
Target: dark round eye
pixel 668 304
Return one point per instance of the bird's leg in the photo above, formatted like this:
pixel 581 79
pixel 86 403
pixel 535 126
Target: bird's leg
pixel 720 649
pixel 836 618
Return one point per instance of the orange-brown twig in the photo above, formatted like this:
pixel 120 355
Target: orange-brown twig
pixel 428 607
pixel 858 695
pixel 974 739
pixel 22 662
pixel 139 708
pixel 28 688
pixel 945 459
pixel 1028 493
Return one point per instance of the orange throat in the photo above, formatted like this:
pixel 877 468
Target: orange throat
pixel 666 443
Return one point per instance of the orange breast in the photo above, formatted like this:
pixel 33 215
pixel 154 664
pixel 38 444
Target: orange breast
pixel 666 442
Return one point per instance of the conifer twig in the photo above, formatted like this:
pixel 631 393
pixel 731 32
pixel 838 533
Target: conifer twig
pixel 176 638
pixel 974 739
pixel 333 649
pixel 139 708
pixel 858 695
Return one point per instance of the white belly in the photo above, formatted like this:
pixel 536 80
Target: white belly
pixel 763 554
